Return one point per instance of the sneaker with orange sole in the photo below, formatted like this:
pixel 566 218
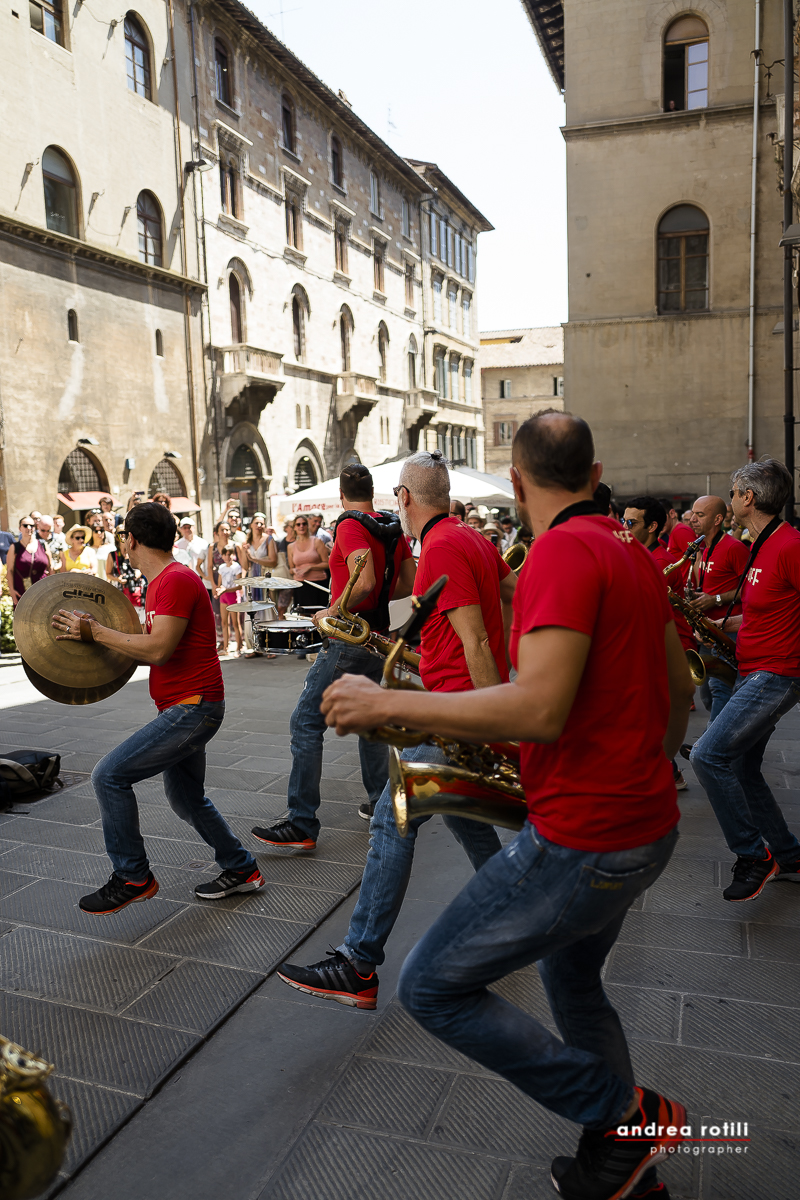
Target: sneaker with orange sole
pixel 118 893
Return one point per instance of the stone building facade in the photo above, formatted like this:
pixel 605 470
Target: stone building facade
pixel 660 131
pixel 100 353
pixel 213 274
pixel 521 372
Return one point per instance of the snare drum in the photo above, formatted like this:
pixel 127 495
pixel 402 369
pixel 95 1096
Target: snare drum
pixel 288 637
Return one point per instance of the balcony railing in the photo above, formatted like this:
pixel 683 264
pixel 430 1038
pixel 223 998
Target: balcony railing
pixel 241 366
pixel 355 393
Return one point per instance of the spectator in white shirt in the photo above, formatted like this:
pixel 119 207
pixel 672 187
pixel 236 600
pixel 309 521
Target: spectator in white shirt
pixel 191 543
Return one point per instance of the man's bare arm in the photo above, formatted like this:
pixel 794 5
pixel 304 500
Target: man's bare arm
pixel 534 708
pixel 681 691
pixel 405 579
pixel 155 649
pixel 508 586
pixel 468 624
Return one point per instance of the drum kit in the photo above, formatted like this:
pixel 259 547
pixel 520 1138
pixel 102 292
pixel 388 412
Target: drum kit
pixel 292 634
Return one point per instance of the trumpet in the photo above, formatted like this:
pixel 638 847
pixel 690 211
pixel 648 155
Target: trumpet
pixel 34 1128
pixel 354 629
pixel 481 782
pixel 722 660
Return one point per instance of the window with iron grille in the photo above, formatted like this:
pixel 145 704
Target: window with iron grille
pixel 137 58
pixel 244 464
pixel 79 474
pixel 305 476
pixel 683 260
pixel 165 478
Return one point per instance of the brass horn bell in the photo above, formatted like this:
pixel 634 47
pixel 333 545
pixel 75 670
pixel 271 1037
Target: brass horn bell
pixel 421 789
pixel 34 1128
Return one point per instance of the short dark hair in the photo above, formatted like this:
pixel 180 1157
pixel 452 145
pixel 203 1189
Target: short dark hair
pixel 356 482
pixel 602 498
pixel 653 510
pixel 152 525
pixel 555 449
pixel 460 511
pixel 668 506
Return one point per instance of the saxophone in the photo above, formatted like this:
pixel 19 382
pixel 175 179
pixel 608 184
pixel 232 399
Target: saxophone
pixel 354 629
pixel 34 1128
pixel 481 782
pixel 722 659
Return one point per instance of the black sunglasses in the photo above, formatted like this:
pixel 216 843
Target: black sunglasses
pixel 78 537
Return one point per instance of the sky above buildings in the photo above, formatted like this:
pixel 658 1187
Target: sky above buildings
pixel 463 84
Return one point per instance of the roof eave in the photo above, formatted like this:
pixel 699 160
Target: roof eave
pixel 549 33
pixel 434 174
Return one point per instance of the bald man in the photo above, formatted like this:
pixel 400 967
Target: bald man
pixel 717 572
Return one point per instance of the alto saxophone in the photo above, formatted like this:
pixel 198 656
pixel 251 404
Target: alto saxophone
pixel 722 659
pixel 354 629
pixel 34 1128
pixel 481 782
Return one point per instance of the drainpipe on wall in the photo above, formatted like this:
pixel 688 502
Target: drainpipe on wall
pixel 200 227
pixel 187 312
pixel 751 354
pixel 788 209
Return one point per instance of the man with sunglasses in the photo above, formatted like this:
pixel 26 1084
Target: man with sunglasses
pixel 727 758
pixel 389 573
pixel 179 645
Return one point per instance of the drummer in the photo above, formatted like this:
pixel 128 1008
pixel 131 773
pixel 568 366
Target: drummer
pixel 178 644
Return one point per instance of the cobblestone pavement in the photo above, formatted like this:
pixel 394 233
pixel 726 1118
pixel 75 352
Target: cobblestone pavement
pixel 299 1099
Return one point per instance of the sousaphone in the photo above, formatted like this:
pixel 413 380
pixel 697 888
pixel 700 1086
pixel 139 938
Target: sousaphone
pixel 73 672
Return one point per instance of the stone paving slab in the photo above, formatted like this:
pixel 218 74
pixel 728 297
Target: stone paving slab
pixel 117 1002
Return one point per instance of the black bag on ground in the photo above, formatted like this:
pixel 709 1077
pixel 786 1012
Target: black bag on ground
pixel 26 772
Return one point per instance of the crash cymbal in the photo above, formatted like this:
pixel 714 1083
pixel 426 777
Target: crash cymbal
pixel 72 695
pixel 268 582
pixel 250 606
pixel 73 665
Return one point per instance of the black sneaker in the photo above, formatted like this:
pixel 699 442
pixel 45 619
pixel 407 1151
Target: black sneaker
pixel 656 1191
pixel 284 836
pixel 609 1164
pixel 749 877
pixel 229 882
pixel 686 750
pixel 117 894
pixel 788 872
pixel 366 811
pixel 335 978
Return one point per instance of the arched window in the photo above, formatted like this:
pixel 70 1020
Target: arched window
pixel 60 193
pixel 305 475
pixel 298 413
pixel 683 260
pixel 686 65
pixel 159 344
pixel 235 294
pixel 166 478
pixel 222 72
pixel 244 464
pixel 337 174
pixel 228 186
pixel 412 363
pixel 79 473
pixel 308 417
pixel 137 56
pixel 345 334
pixel 72 326
pixel 297 330
pixel 288 124
pixel 383 348
pixel 148 215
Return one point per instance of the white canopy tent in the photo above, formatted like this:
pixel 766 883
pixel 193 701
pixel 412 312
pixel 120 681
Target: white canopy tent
pixel 466 484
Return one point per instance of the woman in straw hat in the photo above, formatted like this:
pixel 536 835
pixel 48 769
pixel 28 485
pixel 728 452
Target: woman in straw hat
pixel 79 555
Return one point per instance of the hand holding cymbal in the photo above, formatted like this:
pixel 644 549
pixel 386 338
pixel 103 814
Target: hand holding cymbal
pixel 72 625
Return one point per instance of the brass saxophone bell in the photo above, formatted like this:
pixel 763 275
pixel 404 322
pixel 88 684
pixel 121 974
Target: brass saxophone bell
pixel 423 789
pixel 34 1128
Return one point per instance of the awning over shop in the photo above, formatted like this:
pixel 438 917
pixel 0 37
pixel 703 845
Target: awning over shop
pixel 81 500
pixel 182 504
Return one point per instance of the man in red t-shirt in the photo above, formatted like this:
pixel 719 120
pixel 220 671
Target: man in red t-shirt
pixel 645 518
pixel 463 648
pixel 727 758
pixel 179 645
pixel 387 575
pixel 599 665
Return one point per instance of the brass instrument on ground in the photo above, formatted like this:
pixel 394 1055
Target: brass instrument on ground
pixel 722 662
pixel 34 1128
pixel 354 629
pixel 480 782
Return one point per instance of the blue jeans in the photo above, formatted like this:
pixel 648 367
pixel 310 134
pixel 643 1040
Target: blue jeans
pixel 388 869
pixel 539 902
pixel 720 693
pixel 727 761
pixel 174 744
pixel 308 727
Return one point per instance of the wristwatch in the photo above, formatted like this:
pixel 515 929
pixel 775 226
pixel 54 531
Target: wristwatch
pixel 718 599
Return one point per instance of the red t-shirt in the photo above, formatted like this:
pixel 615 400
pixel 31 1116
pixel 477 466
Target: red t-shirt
pixel 605 783
pixel 769 636
pixel 194 667
pixel 681 536
pixel 662 558
pixel 351 536
pixel 474 570
pixel 720 572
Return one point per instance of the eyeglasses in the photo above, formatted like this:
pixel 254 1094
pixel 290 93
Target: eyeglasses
pixel 400 488
pixel 629 521
pixel 78 537
pixel 27 526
